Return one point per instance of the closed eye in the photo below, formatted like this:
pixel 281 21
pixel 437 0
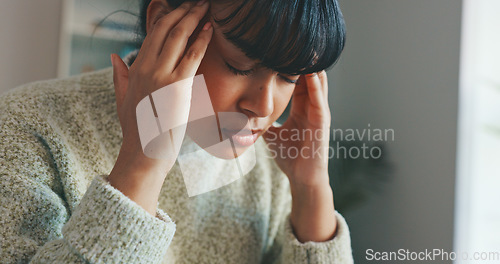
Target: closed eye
pixel 288 80
pixel 248 72
pixel 238 71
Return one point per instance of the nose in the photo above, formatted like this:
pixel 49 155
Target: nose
pixel 258 101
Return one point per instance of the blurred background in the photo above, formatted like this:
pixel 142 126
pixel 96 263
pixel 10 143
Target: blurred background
pixel 428 70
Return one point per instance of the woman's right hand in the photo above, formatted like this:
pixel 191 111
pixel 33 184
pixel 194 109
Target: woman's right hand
pixel 162 60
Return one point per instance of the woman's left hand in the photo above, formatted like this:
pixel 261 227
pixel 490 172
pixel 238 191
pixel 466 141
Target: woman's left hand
pixel 301 147
pixel 301 144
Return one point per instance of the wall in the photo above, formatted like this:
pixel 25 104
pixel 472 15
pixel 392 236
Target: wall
pixel 400 70
pixel 29 41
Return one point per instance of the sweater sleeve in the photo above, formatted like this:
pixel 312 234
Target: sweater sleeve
pixel 37 225
pixel 336 250
pixel 284 246
pixel 287 249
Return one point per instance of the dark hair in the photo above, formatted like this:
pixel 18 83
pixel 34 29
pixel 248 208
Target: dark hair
pixel 288 36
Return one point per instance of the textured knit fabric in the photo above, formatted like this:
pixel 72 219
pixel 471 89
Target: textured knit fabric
pixel 60 139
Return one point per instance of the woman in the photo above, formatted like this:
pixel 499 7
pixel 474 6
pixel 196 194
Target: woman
pixel 77 187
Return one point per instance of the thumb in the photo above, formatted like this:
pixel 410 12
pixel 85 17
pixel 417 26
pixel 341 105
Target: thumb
pixel 120 79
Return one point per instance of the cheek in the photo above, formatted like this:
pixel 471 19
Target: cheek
pixel 221 91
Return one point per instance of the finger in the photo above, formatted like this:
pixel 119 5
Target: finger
pixel 323 77
pixel 193 57
pixel 299 96
pixel 177 38
pixel 162 27
pixel 120 79
pixel 301 87
pixel 315 91
pixel 324 83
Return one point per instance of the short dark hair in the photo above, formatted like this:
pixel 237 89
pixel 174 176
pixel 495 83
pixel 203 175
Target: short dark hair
pixel 294 36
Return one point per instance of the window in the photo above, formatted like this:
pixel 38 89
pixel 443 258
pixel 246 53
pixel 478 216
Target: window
pixel 477 211
pixel 92 30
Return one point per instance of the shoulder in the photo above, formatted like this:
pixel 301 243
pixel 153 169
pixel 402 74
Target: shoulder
pixel 57 100
pixel 62 116
pixel 52 126
pixel 38 95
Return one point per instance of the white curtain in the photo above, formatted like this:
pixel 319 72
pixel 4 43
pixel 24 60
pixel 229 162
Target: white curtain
pixel 477 226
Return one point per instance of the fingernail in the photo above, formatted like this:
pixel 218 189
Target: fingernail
pixel 201 2
pixel 112 62
pixel 207 26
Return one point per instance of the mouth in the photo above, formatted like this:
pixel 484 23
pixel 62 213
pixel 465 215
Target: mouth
pixel 244 137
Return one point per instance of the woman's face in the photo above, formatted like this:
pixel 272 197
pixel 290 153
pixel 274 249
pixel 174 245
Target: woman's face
pixel 238 84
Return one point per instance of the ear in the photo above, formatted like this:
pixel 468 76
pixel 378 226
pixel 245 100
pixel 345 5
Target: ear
pixel 156 10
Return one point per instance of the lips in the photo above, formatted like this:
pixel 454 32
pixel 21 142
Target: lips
pixel 244 137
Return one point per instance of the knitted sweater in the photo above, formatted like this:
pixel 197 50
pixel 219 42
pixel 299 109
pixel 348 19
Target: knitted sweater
pixel 60 139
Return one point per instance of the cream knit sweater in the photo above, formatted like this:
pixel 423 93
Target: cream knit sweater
pixel 60 139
